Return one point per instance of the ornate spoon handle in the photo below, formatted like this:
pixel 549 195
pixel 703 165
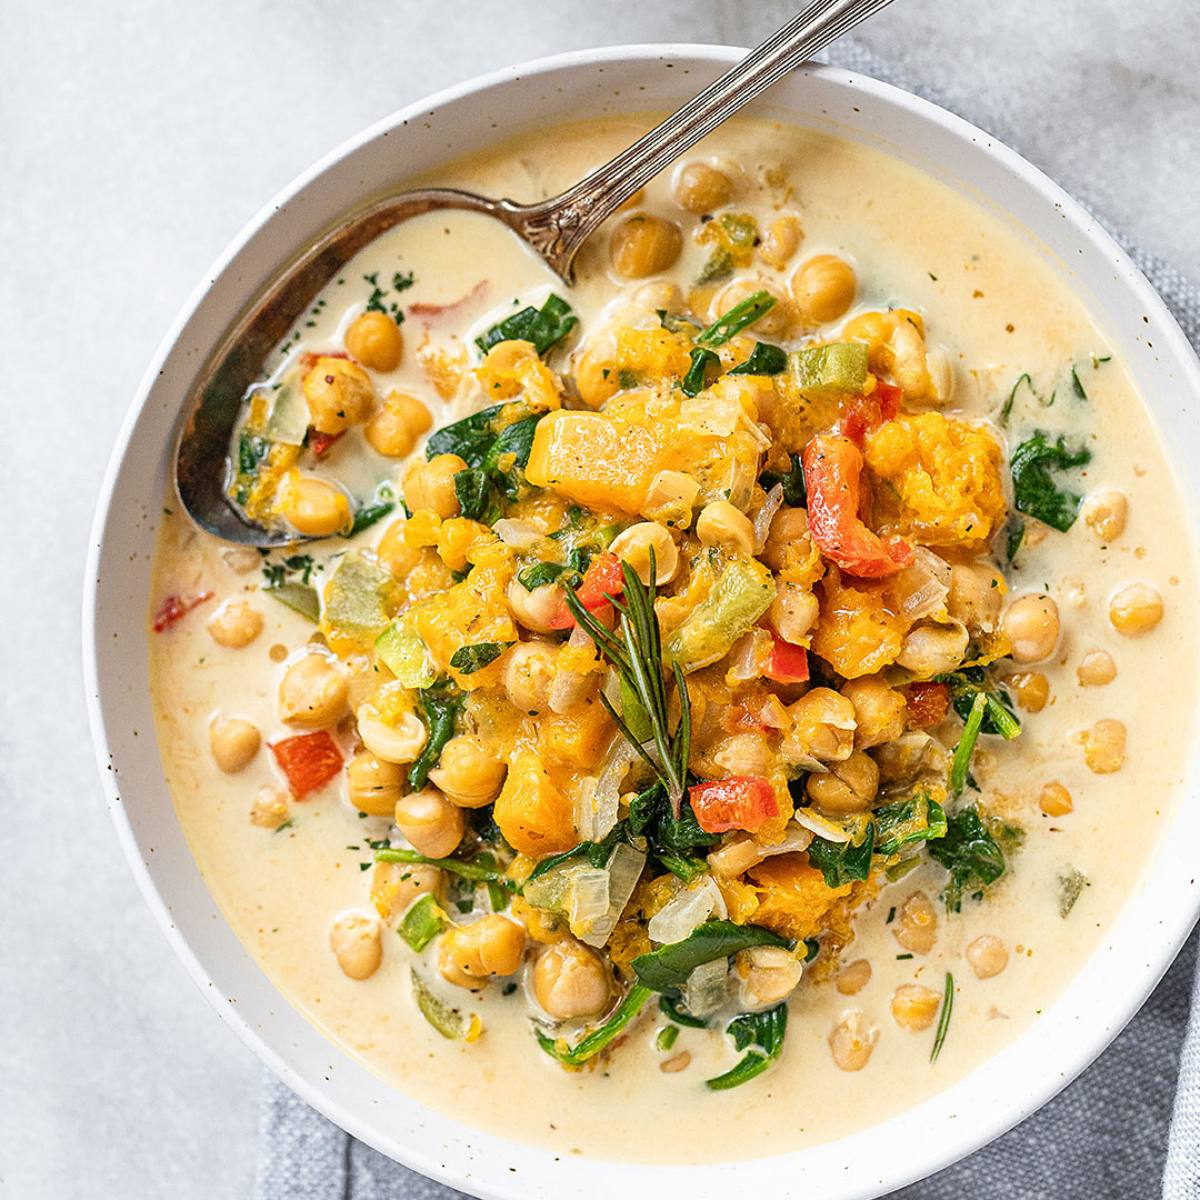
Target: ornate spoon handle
pixel 559 226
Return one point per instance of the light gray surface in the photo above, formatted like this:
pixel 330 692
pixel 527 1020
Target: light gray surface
pixel 137 139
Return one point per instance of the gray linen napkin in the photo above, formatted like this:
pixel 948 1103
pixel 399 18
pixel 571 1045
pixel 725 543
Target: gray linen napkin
pixel 1106 1135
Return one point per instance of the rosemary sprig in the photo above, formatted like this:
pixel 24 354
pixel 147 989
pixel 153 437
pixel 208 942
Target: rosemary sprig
pixel 634 650
pixel 943 1024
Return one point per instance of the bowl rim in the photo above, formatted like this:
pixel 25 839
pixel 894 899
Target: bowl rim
pixel 968 1136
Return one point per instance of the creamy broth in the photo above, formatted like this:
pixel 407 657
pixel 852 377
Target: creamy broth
pixel 999 313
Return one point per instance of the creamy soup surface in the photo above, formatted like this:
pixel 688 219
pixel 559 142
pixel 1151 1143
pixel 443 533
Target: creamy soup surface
pixel 1097 709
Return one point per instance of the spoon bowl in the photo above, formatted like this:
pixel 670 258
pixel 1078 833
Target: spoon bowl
pixel 554 228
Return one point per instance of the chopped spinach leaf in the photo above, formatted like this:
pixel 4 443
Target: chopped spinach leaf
pixel 540 574
pixel 694 381
pixel 970 853
pixel 761 1034
pixel 469 659
pixel 920 818
pixel 1071 882
pixel 842 862
pixel 473 487
pixel 1035 491
pixel 668 967
pixel 999 716
pixel 544 327
pixel 674 1008
pixel 598 1038
pixel 670 839
pixel 794 491
pixel 764 359
pixel 440 706
pixel 1014 536
pixel 471 438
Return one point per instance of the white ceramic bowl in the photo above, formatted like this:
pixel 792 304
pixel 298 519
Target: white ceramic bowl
pixel 1120 974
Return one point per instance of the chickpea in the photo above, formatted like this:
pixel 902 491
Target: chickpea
pixel 852 1040
pixel 430 485
pixel 528 674
pixel 313 693
pixel 721 524
pixel 1032 627
pixel 853 978
pixel 1096 669
pixel 788 526
pixel 987 955
pixel 914 1006
pixel 633 545
pixel 822 726
pixel 847 787
pixel 270 807
pixel 929 650
pixel 570 981
pixel 596 376
pixel 235 624
pixel 768 975
pixel 823 288
pixel 357 945
pixel 430 822
pixel 781 241
pixel 745 753
pixel 1104 746
pixel 312 506
pixel 534 609
pixel 1055 800
pixel 775 322
pixel 643 245
pixel 700 188
pixel 394 429
pixel 1137 608
pixel 880 711
pixel 915 927
pixel 793 612
pixel 394 886
pixel 339 394
pixel 468 772
pixel 399 742
pixel 395 553
pixel 234 742
pixel 375 784
pixel 735 856
pixel 975 594
pixel 1106 513
pixel 659 295
pixel 1031 690
pixel 374 339
pixel 493 945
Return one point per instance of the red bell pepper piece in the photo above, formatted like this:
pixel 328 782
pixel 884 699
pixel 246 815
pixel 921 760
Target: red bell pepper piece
pixel 739 802
pixel 173 609
pixel 309 760
pixel 788 663
pixel 866 412
pixel 319 443
pixel 832 469
pixel 603 579
pixel 928 704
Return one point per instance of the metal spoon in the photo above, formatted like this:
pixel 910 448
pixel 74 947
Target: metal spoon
pixel 554 228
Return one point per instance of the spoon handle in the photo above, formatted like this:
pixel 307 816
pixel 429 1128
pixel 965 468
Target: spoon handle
pixel 559 226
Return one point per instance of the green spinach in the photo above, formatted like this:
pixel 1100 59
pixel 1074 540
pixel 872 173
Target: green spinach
pixel 1034 490
pixel 761 1035
pixel 668 967
pixel 842 862
pixel 970 853
pixel 544 327
pixel 440 706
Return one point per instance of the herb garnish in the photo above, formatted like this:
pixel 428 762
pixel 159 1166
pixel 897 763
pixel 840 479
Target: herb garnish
pixel 469 659
pixel 544 327
pixel 634 650
pixel 756 305
pixel 1034 491
pixel 943 1024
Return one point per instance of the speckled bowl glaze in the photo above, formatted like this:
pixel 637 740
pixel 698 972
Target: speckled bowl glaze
pixel 1120 973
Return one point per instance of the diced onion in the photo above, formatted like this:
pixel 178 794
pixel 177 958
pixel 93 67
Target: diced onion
pixel 682 914
pixel 821 826
pixel 924 585
pixel 762 522
pixel 596 807
pixel 624 870
pixel 586 898
pixel 520 535
pixel 707 988
pixel 568 687
pixel 796 838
